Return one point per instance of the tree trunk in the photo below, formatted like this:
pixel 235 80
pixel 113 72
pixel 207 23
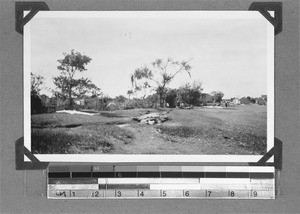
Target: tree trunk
pixel 70 103
pixel 161 100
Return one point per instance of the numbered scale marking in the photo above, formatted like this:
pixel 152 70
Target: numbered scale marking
pixel 215 184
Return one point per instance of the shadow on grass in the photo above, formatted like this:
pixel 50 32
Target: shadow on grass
pixel 34 126
pixel 113 131
pixel 181 131
pixel 251 142
pixel 59 142
pixel 110 114
pixel 116 122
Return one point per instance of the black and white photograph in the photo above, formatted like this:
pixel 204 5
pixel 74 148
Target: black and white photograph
pixel 149 106
pixel 157 84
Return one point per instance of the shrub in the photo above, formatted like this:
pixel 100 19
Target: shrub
pixel 245 100
pixel 129 105
pixel 135 103
pixel 111 106
pixel 260 101
pixel 189 94
pixel 37 106
pixel 152 101
pixel 171 98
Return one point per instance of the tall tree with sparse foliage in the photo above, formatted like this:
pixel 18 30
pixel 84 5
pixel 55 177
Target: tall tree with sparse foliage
pixel 161 75
pixel 68 86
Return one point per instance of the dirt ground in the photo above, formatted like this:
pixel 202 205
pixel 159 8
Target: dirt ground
pixel 237 130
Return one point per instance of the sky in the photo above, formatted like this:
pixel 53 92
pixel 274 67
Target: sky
pixel 227 53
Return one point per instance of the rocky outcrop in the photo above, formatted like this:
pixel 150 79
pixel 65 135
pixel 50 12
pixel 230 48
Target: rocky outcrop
pixel 152 118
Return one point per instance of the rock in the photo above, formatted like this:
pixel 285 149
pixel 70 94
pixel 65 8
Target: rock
pixel 159 122
pixel 152 118
pixel 151 122
pixel 136 119
pixel 163 118
pixel 143 121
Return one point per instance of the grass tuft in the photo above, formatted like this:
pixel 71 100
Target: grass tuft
pixel 114 131
pixel 181 131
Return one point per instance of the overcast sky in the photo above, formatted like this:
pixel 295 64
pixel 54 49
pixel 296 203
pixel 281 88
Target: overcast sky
pixel 227 54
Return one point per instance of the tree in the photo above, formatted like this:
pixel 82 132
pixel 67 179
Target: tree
pixel 67 84
pixel 151 101
pixel 217 96
pixel 129 93
pixel 120 99
pixel 205 98
pixel 251 99
pixel 171 98
pixel 144 88
pixel 86 88
pixel 95 91
pixel 190 94
pixel 36 81
pixel 161 75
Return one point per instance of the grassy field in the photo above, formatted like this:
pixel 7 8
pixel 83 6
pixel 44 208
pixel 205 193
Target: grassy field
pixel 238 130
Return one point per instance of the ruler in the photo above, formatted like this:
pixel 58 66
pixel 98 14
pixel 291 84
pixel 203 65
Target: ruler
pixel 142 182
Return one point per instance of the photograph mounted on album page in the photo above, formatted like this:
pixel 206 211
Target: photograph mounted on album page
pixel 149 86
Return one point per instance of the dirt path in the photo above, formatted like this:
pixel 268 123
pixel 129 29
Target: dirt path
pixel 148 140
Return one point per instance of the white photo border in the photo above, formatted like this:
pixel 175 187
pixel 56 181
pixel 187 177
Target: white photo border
pixel 120 158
